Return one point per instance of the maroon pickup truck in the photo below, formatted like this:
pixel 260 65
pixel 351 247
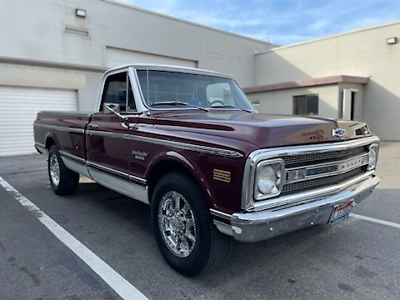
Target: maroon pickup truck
pixel 188 143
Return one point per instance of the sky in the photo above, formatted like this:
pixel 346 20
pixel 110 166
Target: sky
pixel 282 22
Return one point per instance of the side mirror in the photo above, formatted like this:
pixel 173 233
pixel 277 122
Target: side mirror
pixel 111 108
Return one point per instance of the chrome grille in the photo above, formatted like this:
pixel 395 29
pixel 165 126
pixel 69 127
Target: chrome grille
pixel 295 187
pixel 301 160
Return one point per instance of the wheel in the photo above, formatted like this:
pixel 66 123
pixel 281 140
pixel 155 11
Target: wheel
pixel 184 231
pixel 62 180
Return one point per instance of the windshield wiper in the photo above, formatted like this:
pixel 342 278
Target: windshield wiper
pixel 179 103
pixel 231 106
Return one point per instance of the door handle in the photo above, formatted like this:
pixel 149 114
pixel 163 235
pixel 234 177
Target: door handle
pixel 93 126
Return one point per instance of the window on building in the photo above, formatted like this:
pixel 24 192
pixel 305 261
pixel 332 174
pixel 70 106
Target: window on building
pixel 305 105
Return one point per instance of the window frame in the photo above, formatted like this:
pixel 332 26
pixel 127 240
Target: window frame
pixel 307 98
pixel 128 89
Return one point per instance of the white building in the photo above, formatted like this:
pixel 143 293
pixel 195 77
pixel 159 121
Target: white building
pixel 51 58
pixel 355 76
pixel 53 53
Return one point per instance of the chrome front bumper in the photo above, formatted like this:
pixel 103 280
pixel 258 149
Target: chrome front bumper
pixel 262 225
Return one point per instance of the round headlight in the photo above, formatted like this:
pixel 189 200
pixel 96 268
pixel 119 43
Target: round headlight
pixel 372 158
pixel 267 179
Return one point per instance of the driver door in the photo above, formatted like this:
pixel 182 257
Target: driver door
pixel 107 136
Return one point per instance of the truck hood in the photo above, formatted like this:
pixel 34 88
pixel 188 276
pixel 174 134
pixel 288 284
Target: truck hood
pixel 261 130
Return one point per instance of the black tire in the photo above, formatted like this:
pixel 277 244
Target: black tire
pixel 210 248
pixel 68 180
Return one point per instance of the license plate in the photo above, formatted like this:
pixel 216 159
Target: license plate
pixel 340 213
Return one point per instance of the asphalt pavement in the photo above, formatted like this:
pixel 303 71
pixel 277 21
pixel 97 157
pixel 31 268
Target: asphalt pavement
pixel 355 259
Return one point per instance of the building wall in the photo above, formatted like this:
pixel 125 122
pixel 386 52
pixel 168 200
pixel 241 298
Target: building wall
pixel 281 101
pixel 49 30
pixel 362 53
pixel 34 76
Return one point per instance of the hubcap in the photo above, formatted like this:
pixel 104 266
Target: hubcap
pixel 54 170
pixel 177 224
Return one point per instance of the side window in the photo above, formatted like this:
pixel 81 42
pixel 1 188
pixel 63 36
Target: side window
pixel 117 89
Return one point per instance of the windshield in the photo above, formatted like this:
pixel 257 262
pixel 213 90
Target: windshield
pixel 162 89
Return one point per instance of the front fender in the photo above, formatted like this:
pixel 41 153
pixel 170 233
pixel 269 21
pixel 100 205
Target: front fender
pixel 192 168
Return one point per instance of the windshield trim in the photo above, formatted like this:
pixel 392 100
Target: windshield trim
pixel 176 70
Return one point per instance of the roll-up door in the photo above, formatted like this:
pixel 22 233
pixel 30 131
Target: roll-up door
pixel 18 109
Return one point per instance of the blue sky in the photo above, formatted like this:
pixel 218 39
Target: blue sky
pixel 282 22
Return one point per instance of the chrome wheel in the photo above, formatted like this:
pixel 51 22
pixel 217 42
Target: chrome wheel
pixel 54 170
pixel 177 224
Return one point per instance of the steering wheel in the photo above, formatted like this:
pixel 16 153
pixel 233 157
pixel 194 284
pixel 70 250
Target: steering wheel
pixel 216 103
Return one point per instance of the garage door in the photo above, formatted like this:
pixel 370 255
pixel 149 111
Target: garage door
pixel 118 57
pixel 18 110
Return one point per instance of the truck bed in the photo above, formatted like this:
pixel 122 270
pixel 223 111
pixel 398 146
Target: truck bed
pixel 67 129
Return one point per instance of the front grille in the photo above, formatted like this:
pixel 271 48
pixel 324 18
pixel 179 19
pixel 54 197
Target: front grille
pixel 302 160
pixel 302 186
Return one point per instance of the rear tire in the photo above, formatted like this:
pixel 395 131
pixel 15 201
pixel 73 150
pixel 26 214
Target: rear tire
pixel 184 230
pixel 62 180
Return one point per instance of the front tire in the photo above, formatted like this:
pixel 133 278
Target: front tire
pixel 184 231
pixel 62 180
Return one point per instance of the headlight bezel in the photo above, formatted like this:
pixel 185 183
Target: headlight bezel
pixel 373 149
pixel 278 166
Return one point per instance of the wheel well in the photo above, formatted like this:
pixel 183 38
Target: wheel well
pixel 163 168
pixel 49 142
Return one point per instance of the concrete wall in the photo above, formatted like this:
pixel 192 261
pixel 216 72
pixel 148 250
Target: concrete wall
pixel 361 53
pixel 33 76
pixel 49 30
pixel 281 101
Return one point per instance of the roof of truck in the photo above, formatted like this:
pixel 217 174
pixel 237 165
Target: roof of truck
pixel 159 67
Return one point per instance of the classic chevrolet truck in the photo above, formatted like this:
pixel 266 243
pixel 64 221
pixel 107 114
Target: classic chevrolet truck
pixel 188 143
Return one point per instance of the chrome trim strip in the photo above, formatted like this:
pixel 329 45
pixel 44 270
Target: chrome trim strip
pixel 220 214
pixel 75 165
pixel 74 157
pixel 61 128
pixel 40 148
pixel 133 179
pixel 66 113
pixel 122 186
pixel 334 164
pixel 178 145
pixel 126 176
pixel 248 202
pixel 40 145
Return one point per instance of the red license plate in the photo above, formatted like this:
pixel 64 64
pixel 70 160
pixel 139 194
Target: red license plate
pixel 340 212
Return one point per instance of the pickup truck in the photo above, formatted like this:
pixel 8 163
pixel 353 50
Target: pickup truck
pixel 188 143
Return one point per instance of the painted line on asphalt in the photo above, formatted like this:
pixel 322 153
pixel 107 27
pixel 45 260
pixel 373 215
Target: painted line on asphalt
pixel 118 283
pixel 377 221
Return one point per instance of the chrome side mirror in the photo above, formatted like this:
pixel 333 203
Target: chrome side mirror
pixel 113 108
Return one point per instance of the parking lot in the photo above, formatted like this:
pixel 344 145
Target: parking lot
pixel 355 259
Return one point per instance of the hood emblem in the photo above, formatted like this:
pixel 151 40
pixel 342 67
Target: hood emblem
pixel 338 132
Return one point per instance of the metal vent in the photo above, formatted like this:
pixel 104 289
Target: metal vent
pixel 77 31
